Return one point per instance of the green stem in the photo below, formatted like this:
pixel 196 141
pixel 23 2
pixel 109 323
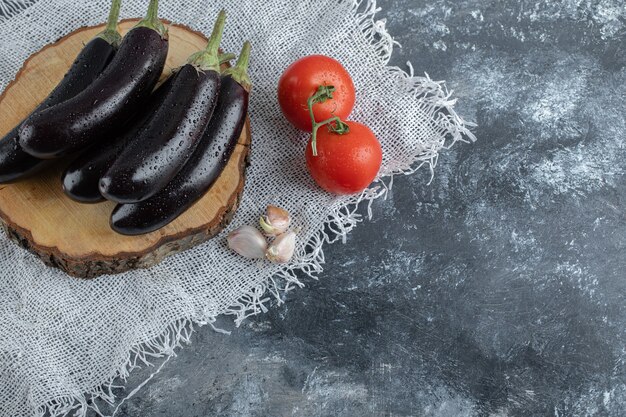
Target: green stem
pixel 216 35
pixel 324 93
pixel 153 10
pixel 239 72
pixel 226 57
pixel 208 58
pixel 114 14
pixel 110 33
pixel 152 21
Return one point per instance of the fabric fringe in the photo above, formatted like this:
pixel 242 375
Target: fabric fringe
pixel 142 354
pixel 437 102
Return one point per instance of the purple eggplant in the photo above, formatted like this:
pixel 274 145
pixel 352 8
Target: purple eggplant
pixel 81 178
pixel 169 138
pixel 205 165
pixel 16 164
pixel 108 102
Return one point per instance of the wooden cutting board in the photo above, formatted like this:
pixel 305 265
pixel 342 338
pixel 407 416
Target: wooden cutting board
pixel 76 237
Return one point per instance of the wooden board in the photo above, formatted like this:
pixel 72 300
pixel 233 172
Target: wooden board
pixel 76 237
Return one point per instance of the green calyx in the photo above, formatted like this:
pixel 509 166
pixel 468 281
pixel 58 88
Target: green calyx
pixel 152 21
pixel 223 57
pixel 208 59
pixel 239 72
pixel 110 33
pixel 335 124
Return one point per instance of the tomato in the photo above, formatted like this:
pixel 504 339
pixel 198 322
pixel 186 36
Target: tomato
pixel 302 79
pixel 345 164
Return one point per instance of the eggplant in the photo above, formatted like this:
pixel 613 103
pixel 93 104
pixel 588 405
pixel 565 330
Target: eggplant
pixel 204 167
pixel 82 176
pixel 108 102
pixel 16 164
pixel 169 138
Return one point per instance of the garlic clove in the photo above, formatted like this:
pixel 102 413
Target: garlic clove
pixel 248 242
pixel 275 221
pixel 282 248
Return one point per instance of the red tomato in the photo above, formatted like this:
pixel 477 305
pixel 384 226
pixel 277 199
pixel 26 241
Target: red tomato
pixel 345 164
pixel 301 80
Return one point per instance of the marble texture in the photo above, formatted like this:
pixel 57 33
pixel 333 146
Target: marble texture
pixel 497 290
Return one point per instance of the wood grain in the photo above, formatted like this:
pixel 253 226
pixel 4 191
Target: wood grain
pixel 76 237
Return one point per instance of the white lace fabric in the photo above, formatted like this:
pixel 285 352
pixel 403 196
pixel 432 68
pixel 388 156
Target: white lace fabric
pixel 63 341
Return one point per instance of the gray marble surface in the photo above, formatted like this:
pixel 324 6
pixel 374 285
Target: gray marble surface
pixel 499 289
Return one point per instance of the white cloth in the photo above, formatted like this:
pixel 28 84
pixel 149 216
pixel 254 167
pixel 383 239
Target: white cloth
pixel 64 340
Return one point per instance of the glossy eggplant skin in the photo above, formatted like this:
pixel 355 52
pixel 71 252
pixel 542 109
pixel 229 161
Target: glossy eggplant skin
pixel 81 178
pixel 200 172
pixel 167 141
pixel 108 102
pixel 16 164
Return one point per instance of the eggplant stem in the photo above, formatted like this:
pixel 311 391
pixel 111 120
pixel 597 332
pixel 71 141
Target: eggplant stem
pixel 239 72
pixel 110 33
pixel 208 58
pixel 114 14
pixel 153 10
pixel 152 21
pixel 226 57
pixel 216 35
